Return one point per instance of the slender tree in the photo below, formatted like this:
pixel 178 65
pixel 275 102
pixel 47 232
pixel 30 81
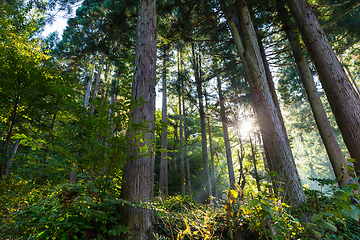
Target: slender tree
pixel 180 93
pixel 188 174
pixel 163 181
pixel 89 83
pixel 226 135
pixel 199 89
pixel 97 83
pixel 212 173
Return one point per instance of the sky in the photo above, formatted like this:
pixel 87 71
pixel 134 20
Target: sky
pixel 58 25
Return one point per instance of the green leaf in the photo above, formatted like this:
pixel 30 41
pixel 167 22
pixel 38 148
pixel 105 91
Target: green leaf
pixel 351 160
pixel 354 186
pixel 316 217
pixel 354 213
pixel 317 234
pixel 266 208
pixel 64 236
pixel 328 226
pixel 350 168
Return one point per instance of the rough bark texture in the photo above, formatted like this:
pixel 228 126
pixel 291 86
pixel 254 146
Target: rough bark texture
pixel 343 98
pixel 203 128
pixel 138 175
pixel 226 137
pixel 269 117
pixel 163 181
pixel 328 137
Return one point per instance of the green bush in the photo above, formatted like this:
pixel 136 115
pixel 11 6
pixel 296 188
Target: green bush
pixel 70 211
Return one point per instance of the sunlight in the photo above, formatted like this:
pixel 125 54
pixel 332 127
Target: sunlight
pixel 246 127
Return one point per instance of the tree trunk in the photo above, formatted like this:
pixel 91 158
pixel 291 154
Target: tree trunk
pixel 212 174
pixel 182 166
pixel 138 178
pixel 198 81
pixel 328 137
pixel 226 136
pixel 163 181
pixel 342 97
pixel 88 88
pixel 97 83
pixel 8 166
pixel 188 179
pixel 269 117
pixel 174 158
pixel 253 153
pixel 9 135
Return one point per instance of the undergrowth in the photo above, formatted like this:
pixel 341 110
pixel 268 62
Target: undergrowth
pixel 91 210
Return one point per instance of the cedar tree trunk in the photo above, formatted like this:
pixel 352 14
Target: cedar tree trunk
pixel 138 178
pixel 342 97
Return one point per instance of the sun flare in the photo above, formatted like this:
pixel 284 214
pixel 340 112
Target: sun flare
pixel 246 127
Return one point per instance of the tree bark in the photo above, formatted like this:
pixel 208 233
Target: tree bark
pixel 269 117
pixel 226 136
pixel 138 175
pixel 328 137
pixel 342 97
pixel 163 181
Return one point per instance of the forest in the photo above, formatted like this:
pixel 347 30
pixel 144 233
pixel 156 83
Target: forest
pixel 180 119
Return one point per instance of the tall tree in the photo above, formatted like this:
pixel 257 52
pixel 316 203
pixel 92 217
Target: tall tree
pixel 163 181
pixel 226 136
pixel 342 97
pixel 97 83
pixel 188 176
pixel 328 137
pixel 212 173
pixel 199 89
pixel 180 95
pixel 138 175
pixel 269 117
